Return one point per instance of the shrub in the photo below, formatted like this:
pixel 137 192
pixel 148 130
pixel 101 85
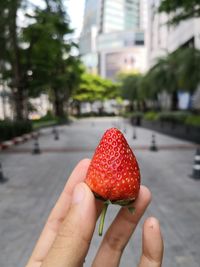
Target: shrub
pixel 175 116
pixel 48 117
pixel 10 129
pixel 137 114
pixel 193 120
pixel 151 116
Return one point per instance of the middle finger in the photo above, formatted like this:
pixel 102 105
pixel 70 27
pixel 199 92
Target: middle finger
pixel 120 231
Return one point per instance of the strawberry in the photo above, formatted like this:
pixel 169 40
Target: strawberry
pixel 113 174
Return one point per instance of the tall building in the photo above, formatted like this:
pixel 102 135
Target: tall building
pixel 112 39
pixel 87 42
pixel 120 15
pixel 163 39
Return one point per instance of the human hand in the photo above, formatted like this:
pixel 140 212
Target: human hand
pixel 66 237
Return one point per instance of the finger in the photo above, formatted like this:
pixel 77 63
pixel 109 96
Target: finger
pixel 152 251
pixel 58 214
pixel 74 237
pixel 120 231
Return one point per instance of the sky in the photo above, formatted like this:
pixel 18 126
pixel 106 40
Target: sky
pixel 75 10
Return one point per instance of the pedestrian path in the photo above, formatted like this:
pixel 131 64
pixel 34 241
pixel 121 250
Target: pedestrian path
pixel 35 182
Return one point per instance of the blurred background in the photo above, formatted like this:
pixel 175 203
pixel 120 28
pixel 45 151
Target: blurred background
pixel 71 69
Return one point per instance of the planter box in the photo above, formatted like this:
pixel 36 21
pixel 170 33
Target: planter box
pixel 186 132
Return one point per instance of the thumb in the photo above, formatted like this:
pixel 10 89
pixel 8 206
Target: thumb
pixel 152 253
pixel 74 237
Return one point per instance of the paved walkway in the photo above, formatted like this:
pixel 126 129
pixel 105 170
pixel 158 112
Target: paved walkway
pixel 35 182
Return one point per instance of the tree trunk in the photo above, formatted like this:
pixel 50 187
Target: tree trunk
pixel 131 106
pixel 58 105
pixel 78 108
pixel 174 101
pixel 18 105
pixel 17 87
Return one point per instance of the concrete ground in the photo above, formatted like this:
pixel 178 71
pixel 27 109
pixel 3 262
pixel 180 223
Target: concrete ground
pixel 35 182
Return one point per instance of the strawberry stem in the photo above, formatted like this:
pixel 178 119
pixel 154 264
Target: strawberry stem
pixel 102 219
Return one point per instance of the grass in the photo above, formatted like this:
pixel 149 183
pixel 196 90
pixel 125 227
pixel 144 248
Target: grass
pixel 40 124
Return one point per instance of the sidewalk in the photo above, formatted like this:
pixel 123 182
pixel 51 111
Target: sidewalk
pixel 35 182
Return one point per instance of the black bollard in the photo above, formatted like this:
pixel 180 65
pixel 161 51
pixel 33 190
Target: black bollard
pixel 196 166
pixel 36 147
pixel 134 133
pixel 56 134
pixel 3 179
pixel 153 146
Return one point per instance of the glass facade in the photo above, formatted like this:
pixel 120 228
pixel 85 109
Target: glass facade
pixel 90 14
pixel 112 39
pixel 119 15
pixel 120 39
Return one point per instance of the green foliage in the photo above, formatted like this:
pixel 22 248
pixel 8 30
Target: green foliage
pixel 48 117
pixel 151 116
pixel 93 87
pixel 130 86
pixel 37 124
pixel 176 116
pixel 53 68
pixel 180 10
pixel 37 58
pixel 177 71
pixel 11 129
pixel 135 114
pixel 188 68
pixel 162 76
pixel 180 117
pixel 49 120
pixel 193 120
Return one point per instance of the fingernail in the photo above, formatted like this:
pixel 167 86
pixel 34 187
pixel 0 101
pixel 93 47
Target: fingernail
pixel 153 222
pixel 78 194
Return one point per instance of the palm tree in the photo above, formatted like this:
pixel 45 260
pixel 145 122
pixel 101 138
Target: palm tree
pixel 188 72
pixel 178 71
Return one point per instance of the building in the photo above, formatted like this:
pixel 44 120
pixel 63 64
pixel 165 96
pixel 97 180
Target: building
pixel 113 36
pixel 118 15
pixel 163 39
pixel 87 42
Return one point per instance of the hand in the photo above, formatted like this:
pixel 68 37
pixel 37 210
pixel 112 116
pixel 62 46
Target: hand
pixel 66 237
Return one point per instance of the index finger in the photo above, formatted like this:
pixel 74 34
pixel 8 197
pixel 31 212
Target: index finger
pixel 58 214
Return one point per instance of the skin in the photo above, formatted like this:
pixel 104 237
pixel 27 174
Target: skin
pixel 65 234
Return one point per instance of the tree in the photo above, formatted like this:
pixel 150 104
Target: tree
pixel 188 71
pixel 94 88
pixel 163 77
pixel 11 53
pixel 52 67
pixel 130 88
pixel 178 71
pixel 37 58
pixel 180 10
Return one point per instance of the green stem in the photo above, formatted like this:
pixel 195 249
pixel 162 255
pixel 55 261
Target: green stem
pixel 102 219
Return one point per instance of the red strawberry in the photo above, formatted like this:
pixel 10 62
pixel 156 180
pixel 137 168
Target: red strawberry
pixel 113 174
